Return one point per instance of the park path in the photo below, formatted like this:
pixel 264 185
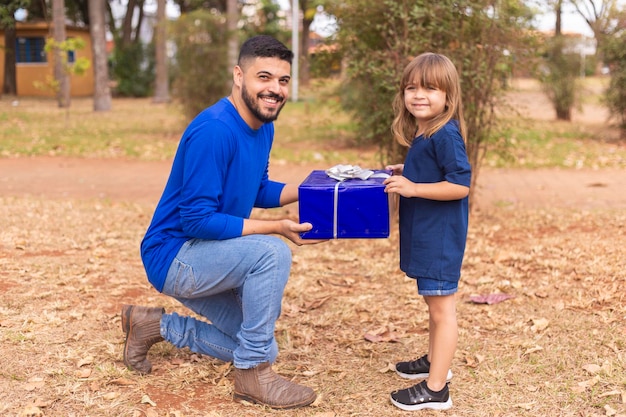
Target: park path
pixel 142 182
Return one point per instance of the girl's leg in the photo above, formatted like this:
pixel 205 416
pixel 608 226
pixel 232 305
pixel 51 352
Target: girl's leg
pixel 443 337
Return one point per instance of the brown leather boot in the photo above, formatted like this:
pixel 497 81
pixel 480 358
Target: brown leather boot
pixel 262 386
pixel 142 326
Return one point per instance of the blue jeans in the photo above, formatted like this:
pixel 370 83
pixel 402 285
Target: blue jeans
pixel 238 285
pixel 436 287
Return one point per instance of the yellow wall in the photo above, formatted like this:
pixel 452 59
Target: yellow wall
pixel 30 73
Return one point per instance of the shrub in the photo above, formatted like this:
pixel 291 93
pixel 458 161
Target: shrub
pixel 559 77
pixel 201 71
pixel 132 67
pixel 378 38
pixel 615 57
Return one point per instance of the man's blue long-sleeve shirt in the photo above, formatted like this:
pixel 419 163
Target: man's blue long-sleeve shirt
pixel 218 175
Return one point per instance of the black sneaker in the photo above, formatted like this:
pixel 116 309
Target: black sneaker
pixel 419 397
pixel 417 369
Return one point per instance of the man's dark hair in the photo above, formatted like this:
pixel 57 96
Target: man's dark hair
pixel 264 46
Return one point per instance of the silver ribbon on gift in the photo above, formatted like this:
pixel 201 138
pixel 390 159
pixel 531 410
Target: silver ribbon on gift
pixel 345 172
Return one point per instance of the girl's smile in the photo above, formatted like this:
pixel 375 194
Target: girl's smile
pixel 424 103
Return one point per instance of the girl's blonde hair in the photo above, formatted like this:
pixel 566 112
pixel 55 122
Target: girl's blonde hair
pixel 428 69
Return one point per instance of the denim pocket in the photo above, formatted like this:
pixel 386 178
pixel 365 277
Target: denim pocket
pixel 180 281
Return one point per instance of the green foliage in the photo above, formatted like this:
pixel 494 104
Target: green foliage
pixel 8 9
pixel 378 38
pixel 132 68
pixel 325 63
pixel 201 72
pixel 78 67
pixel 266 21
pixel 559 77
pixel 615 57
pixel 187 6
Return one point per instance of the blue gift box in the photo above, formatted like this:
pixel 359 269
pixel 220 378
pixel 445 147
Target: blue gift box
pixel 352 208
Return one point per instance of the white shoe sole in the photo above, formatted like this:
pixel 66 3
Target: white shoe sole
pixel 421 376
pixel 433 406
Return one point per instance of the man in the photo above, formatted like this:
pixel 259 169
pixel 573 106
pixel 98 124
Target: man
pixel 203 249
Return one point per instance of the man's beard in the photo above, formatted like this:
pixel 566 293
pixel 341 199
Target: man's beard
pixel 255 109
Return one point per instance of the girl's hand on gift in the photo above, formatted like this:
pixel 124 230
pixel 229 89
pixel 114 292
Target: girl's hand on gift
pixel 439 191
pixel 396 169
pixel 398 184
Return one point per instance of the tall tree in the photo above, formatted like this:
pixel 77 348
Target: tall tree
pixel 132 61
pixel 161 86
pixel 309 9
pixel 600 16
pixel 187 6
pixel 60 74
pixel 611 41
pixel 379 37
pixel 7 22
pixel 127 23
pixel 558 11
pixel 232 19
pixel 559 81
pixel 102 91
pixel 616 59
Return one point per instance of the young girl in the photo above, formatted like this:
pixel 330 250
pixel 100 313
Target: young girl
pixel 433 185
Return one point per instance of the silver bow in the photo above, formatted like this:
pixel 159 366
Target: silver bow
pixel 343 172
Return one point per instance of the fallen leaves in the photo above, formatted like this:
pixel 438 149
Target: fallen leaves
pixel 60 326
pixel 490 298
pixel 383 334
pixel 124 382
pixel 316 303
pixel 539 324
pixel 532 350
pixel 145 399
pixel 584 385
pixel 83 373
pixel 472 361
pixel 31 411
pixel 34 383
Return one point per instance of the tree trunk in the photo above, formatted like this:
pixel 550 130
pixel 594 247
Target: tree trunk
pixel 304 44
pixel 10 73
pixel 109 16
pixel 127 24
pixel 102 91
pixel 137 37
pixel 564 113
pixel 558 11
pixel 231 24
pixel 60 57
pixel 232 18
pixel 562 88
pixel 161 93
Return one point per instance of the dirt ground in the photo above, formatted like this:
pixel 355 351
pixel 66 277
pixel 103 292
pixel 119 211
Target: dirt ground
pixel 142 182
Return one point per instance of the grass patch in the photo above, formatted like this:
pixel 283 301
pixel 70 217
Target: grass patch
pixel 134 128
pixel 549 144
pixel 314 129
